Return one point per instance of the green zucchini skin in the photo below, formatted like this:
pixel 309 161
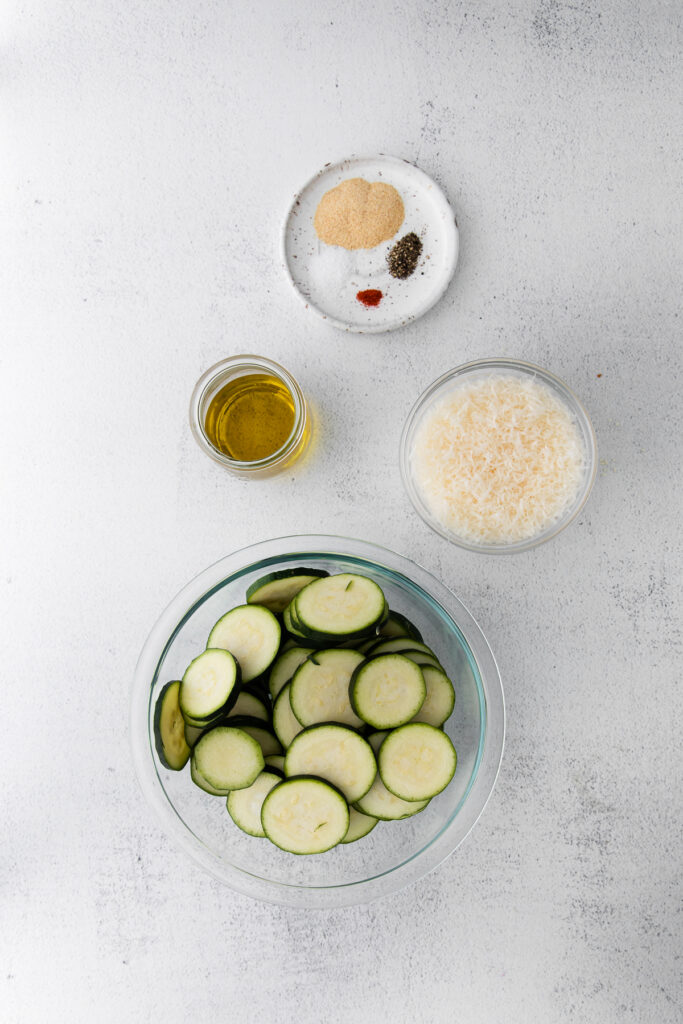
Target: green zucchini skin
pixel 169 729
pixel 397 625
pixel 275 590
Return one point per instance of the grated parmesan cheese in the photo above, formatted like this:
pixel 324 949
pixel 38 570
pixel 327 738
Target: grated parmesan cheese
pixel 498 459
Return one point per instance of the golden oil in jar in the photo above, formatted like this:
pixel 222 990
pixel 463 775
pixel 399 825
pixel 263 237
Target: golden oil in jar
pixel 251 417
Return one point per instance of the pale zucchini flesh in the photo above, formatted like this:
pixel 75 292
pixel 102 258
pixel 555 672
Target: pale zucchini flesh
pixel 169 729
pixel 285 722
pixel 359 825
pixel 251 705
pixel 265 737
pixel 285 666
pixel 208 685
pixel 228 758
pixel 334 753
pixel 319 690
pixel 440 700
pixel 305 816
pixel 201 782
pixel 252 634
pixel 277 589
pixel 387 691
pixel 339 606
pixel 378 802
pixel 244 805
pixel 416 761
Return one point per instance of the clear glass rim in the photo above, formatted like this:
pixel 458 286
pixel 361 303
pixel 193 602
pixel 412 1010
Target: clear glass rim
pixel 246 361
pixel 530 369
pixel 424 860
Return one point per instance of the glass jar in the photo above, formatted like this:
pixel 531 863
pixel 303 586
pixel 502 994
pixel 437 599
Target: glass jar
pixel 218 377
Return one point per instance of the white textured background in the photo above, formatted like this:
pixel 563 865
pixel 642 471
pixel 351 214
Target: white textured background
pixel 149 151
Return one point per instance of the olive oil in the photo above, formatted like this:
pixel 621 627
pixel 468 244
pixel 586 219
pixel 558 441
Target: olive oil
pixel 251 417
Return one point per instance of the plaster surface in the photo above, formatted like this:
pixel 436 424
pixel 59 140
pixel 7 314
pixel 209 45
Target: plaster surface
pixel 150 151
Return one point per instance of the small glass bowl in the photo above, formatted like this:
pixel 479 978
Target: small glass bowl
pixel 215 378
pixel 395 853
pixel 479 369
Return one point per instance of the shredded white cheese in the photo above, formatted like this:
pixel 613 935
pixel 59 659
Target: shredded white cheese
pixel 498 459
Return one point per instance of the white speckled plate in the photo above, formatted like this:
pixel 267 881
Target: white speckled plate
pixel 328 277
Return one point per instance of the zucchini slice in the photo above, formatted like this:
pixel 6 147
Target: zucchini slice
pixel 440 699
pixel 285 666
pixel 319 690
pixel 251 705
pixel 304 816
pixel 359 825
pixel 228 758
pixel 339 606
pixel 209 684
pixel 276 763
pixel 277 589
pixel 398 625
pixel 378 802
pixel 252 634
pixel 244 805
pixel 200 781
pixel 416 761
pixel 265 737
pixel 169 729
pixel 387 691
pixel 398 645
pixel 285 722
pixel 334 753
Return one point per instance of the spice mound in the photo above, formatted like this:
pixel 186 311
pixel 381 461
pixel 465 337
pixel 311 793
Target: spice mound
pixel 370 297
pixel 498 460
pixel 404 256
pixel 359 214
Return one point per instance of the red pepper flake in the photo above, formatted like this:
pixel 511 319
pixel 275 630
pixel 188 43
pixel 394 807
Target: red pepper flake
pixel 370 297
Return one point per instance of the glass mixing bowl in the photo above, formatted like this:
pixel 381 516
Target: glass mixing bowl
pixel 395 853
pixel 478 370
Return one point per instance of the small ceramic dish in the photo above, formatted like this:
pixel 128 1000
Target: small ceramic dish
pixel 328 278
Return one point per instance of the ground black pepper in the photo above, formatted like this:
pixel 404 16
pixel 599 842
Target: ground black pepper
pixel 403 257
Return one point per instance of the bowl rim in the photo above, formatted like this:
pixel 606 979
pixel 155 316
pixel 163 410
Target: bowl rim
pixel 453 246
pixel 575 406
pixel 415 866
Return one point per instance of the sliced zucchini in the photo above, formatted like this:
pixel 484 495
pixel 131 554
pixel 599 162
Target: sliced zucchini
pixel 193 732
pixel 398 645
pixel 440 700
pixel 423 660
pixel 244 805
pixel 380 803
pixel 266 738
pixel 200 781
pixel 277 589
pixel 416 761
pixel 334 753
pixel 276 763
pixel 228 758
pixel 252 634
pixel 398 625
pixel 169 729
pixel 285 666
pixel 359 825
pixel 319 690
pixel 208 687
pixel 304 816
pixel 339 606
pixel 250 704
pixel 387 691
pixel 285 723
